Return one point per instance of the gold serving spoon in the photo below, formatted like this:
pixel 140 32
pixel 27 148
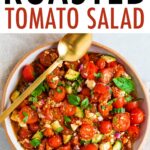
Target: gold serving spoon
pixel 70 48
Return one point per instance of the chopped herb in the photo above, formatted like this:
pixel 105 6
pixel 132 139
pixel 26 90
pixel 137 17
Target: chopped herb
pixel 33 107
pixel 35 142
pixel 118 110
pixel 128 98
pixel 46 86
pixel 38 90
pixel 110 102
pixel 103 107
pixel 85 103
pixel 61 83
pixel 124 84
pixel 97 75
pixel 33 99
pixel 25 119
pixel 59 90
pixel 74 99
pixel 67 119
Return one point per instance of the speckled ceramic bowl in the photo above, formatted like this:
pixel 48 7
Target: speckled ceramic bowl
pixel 95 47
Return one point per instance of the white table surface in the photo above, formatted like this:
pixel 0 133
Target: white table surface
pixel 134 47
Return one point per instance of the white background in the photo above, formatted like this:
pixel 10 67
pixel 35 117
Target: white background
pixel 84 21
pixel 134 47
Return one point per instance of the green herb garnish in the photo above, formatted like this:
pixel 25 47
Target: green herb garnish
pixel 124 84
pixel 74 99
pixel 67 119
pixel 38 90
pixel 59 90
pixel 85 103
pixel 97 75
pixel 128 98
pixel 35 142
pixel 33 99
pixel 25 119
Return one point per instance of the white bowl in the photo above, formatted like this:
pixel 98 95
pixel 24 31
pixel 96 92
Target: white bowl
pixel 96 47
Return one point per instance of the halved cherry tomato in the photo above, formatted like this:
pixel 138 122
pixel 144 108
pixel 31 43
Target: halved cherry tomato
pixel 137 116
pixel 134 132
pixel 119 71
pixel 28 73
pixel 119 102
pixel 104 109
pixel 88 70
pixel 89 147
pixel 86 131
pixel 105 127
pixel 117 92
pixel 121 122
pixel 52 81
pixel 55 141
pixel 101 88
pixel 24 133
pixel 34 127
pixel 32 116
pixel 68 109
pixel 107 75
pixel 48 132
pixel 58 94
pixel 131 105
pixel 101 63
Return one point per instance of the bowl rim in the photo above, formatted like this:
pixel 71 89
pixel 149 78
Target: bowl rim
pixel 110 50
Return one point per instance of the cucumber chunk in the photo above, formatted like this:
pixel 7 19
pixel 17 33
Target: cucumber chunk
pixel 117 145
pixel 108 58
pixel 66 138
pixel 56 126
pixel 79 112
pixel 74 126
pixel 97 138
pixel 38 135
pixel 72 75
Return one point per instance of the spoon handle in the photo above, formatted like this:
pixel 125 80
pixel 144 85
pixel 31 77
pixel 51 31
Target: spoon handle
pixel 29 90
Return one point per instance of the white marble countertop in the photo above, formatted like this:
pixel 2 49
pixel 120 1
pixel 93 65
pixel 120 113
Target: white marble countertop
pixel 134 47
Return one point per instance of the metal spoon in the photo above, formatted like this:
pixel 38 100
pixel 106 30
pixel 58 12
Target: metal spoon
pixel 70 48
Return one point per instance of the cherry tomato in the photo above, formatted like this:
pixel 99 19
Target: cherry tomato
pixel 104 109
pixel 28 73
pixel 52 81
pixel 101 88
pixel 86 92
pixel 105 127
pixel 131 105
pixel 68 109
pixel 27 145
pixel 86 131
pixel 48 132
pixel 112 64
pixel 34 127
pixel 85 59
pixel 55 141
pixel 119 102
pixel 121 122
pixel 89 147
pixel 42 145
pixel 24 133
pixel 101 63
pixel 107 75
pixel 94 98
pixel 137 116
pixel 88 70
pixel 58 94
pixel 32 116
pixel 134 132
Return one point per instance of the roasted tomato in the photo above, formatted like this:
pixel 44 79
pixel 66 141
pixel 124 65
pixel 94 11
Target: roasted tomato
pixel 104 109
pixel 28 115
pixel 55 141
pixel 119 102
pixel 52 81
pixel 101 63
pixel 134 132
pixel 137 116
pixel 131 105
pixel 105 127
pixel 24 133
pixel 86 131
pixel 28 73
pixel 88 70
pixel 121 122
pixel 89 147
pixel 34 127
